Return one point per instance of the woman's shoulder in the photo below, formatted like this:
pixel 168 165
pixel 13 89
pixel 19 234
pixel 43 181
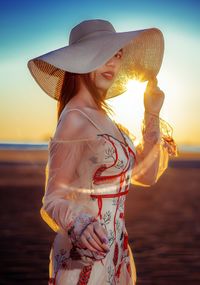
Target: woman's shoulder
pixel 73 124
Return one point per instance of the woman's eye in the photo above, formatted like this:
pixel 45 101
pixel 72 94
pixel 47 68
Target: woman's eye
pixel 118 55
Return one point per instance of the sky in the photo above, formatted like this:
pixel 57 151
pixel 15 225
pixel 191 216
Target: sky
pixel 32 28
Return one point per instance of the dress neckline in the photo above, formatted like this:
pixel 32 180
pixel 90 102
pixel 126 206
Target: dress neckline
pixel 124 143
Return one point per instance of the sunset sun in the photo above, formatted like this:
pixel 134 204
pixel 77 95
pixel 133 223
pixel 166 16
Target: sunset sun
pixel 129 108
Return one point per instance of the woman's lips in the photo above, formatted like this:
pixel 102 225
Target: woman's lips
pixel 108 75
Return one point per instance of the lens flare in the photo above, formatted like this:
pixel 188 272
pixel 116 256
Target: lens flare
pixel 136 87
pixel 129 107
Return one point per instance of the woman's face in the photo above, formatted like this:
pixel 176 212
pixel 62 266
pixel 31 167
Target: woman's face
pixel 104 76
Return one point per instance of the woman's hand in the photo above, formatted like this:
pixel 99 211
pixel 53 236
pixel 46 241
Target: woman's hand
pixel 94 237
pixel 153 97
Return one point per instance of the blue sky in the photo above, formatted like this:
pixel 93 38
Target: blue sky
pixel 32 28
pixel 28 23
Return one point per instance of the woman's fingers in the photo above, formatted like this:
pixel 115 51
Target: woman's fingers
pixel 86 243
pixel 97 238
pixel 152 88
pixel 153 82
pixel 88 239
pixel 153 96
pixel 101 233
pixel 93 239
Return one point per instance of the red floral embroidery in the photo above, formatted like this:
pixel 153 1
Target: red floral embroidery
pixel 128 266
pixel 121 215
pixel 85 275
pixel 125 241
pixel 118 270
pixel 116 252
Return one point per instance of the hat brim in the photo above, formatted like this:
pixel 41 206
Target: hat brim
pixel 142 57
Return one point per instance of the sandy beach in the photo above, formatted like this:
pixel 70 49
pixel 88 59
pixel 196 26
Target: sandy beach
pixel 162 222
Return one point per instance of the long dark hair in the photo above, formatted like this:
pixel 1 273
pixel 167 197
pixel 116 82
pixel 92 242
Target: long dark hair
pixel 70 87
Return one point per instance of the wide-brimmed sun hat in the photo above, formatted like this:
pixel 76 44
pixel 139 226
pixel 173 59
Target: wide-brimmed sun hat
pixel 91 44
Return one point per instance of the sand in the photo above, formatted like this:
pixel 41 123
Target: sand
pixel 162 222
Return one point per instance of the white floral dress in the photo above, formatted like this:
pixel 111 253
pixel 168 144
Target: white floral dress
pixel 87 180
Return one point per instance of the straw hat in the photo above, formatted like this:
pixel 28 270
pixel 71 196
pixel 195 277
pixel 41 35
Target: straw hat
pixel 91 44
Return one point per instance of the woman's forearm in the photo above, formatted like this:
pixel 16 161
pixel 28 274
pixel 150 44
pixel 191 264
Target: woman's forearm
pixel 148 151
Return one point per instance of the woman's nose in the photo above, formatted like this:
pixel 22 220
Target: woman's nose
pixel 111 61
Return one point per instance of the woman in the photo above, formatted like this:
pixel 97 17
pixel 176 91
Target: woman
pixel 93 160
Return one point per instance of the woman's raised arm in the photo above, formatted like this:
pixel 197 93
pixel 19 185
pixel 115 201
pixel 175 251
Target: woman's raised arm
pixel 152 153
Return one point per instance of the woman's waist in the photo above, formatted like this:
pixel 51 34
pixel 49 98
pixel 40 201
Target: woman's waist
pixel 109 195
pixel 109 191
pixel 97 192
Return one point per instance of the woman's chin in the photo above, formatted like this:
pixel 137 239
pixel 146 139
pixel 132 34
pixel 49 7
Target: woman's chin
pixel 104 87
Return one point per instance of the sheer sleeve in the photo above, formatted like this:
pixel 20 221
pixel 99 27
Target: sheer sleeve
pixel 153 151
pixel 65 204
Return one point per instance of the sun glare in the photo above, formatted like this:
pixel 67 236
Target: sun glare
pixel 129 106
pixel 136 87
